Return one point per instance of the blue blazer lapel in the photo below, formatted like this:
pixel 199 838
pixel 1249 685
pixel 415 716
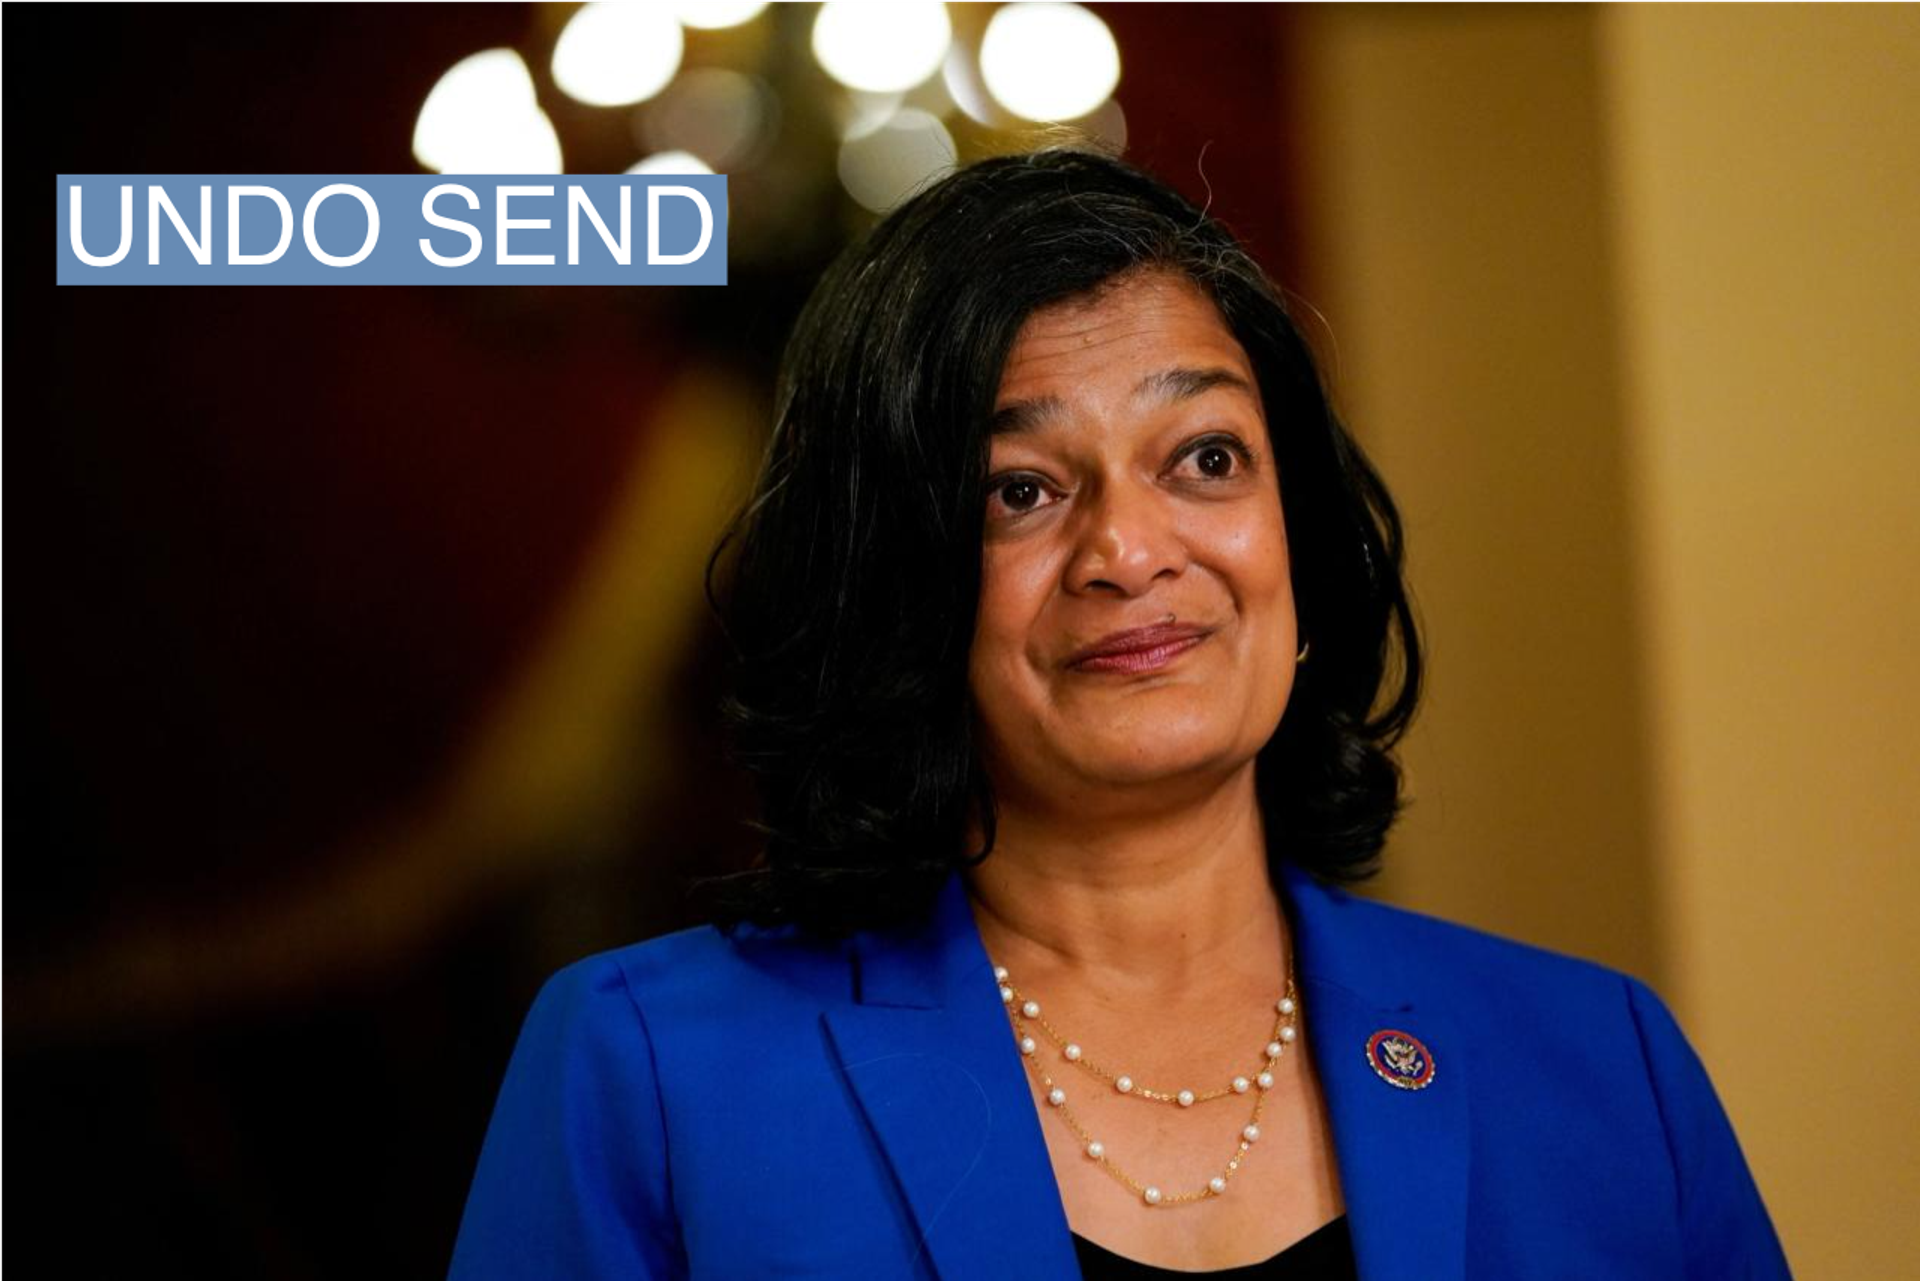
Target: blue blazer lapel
pixel 1403 1154
pixel 927 1052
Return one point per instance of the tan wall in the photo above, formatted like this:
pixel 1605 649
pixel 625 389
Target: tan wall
pixel 1768 167
pixel 1625 305
pixel 1459 250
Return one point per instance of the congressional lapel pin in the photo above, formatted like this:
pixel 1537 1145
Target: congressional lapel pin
pixel 1401 1059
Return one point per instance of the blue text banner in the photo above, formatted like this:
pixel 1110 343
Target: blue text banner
pixel 393 229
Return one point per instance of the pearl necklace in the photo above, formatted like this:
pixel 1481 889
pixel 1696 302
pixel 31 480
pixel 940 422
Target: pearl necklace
pixel 1023 1012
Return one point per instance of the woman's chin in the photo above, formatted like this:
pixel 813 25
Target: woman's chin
pixel 1148 765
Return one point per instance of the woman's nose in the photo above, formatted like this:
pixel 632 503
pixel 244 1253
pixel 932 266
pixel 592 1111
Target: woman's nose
pixel 1126 542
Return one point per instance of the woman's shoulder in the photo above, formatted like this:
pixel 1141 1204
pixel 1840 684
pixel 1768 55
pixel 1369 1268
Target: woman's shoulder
pixel 574 1178
pixel 1412 956
pixel 1555 1045
pixel 704 971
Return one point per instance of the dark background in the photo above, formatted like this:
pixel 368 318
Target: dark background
pixel 274 556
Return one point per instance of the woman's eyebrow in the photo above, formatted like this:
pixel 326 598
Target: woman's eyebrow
pixel 1169 386
pixel 1172 385
pixel 1024 415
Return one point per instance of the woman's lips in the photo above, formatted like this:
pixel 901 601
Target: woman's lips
pixel 1139 649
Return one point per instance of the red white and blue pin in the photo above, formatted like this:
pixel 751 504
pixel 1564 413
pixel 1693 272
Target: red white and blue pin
pixel 1401 1059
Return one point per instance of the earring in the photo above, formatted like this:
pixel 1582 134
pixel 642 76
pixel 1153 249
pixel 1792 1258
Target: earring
pixel 1301 657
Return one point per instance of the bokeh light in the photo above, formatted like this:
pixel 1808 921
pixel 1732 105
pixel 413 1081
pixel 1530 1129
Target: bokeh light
pixel 881 46
pixel 885 165
pixel 723 116
pixel 613 54
pixel 1049 61
pixel 671 162
pixel 710 15
pixel 962 76
pixel 483 117
pixel 861 113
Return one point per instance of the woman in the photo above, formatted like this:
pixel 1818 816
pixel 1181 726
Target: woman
pixel 1072 650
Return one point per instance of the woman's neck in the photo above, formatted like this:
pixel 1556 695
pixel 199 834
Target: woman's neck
pixel 1155 902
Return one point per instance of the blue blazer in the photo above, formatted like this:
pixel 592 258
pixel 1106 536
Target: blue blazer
pixel 754 1105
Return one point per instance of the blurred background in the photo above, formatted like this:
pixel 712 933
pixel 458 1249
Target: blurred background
pixel 361 675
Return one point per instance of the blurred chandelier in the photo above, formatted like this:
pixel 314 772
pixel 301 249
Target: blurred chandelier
pixel 838 110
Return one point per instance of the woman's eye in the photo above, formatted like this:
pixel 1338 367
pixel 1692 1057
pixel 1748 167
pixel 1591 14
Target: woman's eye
pixel 1017 495
pixel 1216 459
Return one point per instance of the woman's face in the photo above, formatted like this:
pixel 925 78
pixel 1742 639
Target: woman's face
pixel 1136 620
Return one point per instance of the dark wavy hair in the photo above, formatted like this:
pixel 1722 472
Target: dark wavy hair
pixel 848 585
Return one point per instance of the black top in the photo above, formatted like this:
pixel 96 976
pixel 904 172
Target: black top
pixel 1326 1254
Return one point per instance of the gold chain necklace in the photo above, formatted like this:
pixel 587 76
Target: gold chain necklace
pixel 1025 1013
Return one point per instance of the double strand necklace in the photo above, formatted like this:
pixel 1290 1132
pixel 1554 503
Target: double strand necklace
pixel 1026 1017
